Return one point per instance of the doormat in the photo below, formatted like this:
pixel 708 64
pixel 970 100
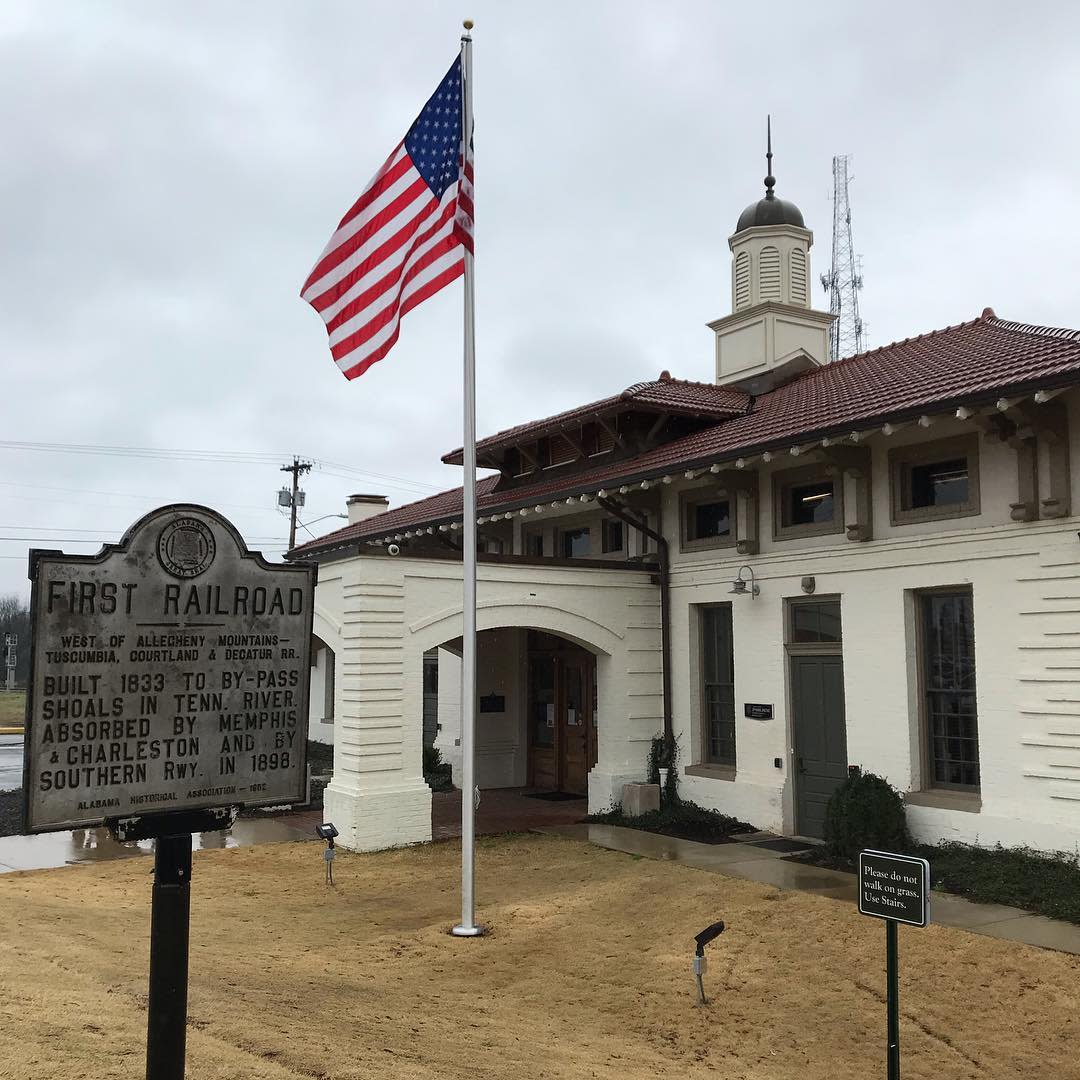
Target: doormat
pixel 554 796
pixel 782 844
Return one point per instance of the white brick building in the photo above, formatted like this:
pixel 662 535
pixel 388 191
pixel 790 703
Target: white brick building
pixel 901 523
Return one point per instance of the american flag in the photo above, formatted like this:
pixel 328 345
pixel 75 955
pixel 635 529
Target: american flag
pixel 402 240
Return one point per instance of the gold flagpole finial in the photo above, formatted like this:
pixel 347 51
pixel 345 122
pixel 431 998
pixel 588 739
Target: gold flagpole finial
pixel 468 24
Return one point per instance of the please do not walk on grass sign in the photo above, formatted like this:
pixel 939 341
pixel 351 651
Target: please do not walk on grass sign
pixel 895 888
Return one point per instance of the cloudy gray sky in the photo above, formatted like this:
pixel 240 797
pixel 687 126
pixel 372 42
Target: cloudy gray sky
pixel 169 172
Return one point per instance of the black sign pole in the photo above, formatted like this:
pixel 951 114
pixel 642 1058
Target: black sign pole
pixel 170 920
pixel 892 980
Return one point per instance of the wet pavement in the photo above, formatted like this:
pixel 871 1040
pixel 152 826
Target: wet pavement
pixel 11 762
pixel 96 845
pixel 744 860
pixel 503 810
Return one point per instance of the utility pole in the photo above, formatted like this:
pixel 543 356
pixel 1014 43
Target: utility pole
pixel 844 278
pixel 294 499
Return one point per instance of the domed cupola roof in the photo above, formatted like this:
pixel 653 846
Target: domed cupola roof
pixel 770 210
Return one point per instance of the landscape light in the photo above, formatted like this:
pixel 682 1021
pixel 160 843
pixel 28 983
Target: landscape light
pixel 710 933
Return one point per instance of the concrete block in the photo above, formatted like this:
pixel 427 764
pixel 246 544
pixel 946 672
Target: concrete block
pixel 638 799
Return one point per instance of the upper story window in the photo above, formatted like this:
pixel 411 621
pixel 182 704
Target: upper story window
pixel 614 535
pixel 532 542
pixel 937 480
pixel 575 543
pixel 806 502
pixel 707 520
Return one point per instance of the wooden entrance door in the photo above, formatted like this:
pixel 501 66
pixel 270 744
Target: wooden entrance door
pixel 577 716
pixel 562 715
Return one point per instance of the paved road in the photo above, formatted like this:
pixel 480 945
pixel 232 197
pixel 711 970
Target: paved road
pixel 11 762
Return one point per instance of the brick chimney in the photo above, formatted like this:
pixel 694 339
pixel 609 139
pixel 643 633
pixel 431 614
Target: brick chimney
pixel 362 507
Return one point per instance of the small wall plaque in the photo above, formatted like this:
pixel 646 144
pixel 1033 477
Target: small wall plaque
pixel 758 712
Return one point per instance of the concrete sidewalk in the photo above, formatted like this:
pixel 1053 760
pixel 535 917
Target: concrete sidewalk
pixel 752 863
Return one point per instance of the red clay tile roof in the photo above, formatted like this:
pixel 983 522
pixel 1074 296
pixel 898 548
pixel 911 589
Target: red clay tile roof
pixel 972 363
pixel 658 395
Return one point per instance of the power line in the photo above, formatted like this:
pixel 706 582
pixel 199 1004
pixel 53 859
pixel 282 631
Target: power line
pixel 235 457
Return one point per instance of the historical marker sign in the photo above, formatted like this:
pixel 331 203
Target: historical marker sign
pixel 169 672
pixel 895 887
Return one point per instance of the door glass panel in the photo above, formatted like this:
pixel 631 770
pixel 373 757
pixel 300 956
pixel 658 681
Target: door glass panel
pixel 572 684
pixel 542 705
pixel 818 623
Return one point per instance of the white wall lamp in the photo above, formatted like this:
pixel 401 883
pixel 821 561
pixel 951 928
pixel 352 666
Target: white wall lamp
pixel 739 585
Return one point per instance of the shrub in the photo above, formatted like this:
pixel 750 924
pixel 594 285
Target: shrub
pixel 865 811
pixel 661 756
pixel 438 773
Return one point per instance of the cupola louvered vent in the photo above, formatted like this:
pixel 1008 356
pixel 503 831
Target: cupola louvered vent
pixel 742 280
pixel 770 273
pixel 798 276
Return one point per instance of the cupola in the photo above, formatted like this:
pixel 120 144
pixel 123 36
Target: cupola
pixel 771 325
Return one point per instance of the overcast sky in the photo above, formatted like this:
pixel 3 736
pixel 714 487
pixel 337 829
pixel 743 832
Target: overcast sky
pixel 169 172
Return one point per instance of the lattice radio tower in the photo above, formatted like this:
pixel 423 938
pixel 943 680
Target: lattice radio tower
pixel 844 280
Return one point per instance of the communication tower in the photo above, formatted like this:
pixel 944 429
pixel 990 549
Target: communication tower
pixel 844 279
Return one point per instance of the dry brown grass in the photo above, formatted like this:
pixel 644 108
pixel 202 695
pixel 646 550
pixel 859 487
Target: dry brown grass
pixel 586 975
pixel 12 707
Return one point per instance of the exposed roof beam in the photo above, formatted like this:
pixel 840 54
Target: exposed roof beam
pixel 657 424
pixel 1043 396
pixel 618 439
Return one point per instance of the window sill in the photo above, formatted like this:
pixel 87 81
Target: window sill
pixel 711 772
pixel 930 513
pixel 327 720
pixel 966 802
pixel 802 532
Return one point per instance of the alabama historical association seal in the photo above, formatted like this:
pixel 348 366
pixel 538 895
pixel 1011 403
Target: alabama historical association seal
pixel 186 547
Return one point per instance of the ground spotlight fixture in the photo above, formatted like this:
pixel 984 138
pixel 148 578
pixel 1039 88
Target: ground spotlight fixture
pixel 710 933
pixel 739 585
pixel 327 832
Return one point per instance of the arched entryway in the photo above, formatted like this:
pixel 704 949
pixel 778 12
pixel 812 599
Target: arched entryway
pixel 537 720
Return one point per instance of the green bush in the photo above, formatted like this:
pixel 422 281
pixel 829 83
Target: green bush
pixel 865 811
pixel 683 819
pixel 438 773
pixel 663 756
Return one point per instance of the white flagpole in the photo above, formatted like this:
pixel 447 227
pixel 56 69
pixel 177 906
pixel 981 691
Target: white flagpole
pixel 468 927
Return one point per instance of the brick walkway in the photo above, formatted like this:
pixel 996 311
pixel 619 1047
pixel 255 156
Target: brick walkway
pixel 502 810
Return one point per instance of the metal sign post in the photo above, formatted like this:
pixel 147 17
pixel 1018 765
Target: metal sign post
pixel 895 888
pixel 11 642
pixel 168 689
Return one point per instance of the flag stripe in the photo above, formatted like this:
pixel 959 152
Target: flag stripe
pixel 369 288
pixel 404 238
pixel 391 169
pixel 363 332
pixel 429 290
pixel 429 279
pixel 401 204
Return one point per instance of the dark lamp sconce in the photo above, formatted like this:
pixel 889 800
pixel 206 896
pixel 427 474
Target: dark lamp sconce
pixel 741 587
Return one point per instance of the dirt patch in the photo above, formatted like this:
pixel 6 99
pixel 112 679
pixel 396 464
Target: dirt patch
pixel 587 974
